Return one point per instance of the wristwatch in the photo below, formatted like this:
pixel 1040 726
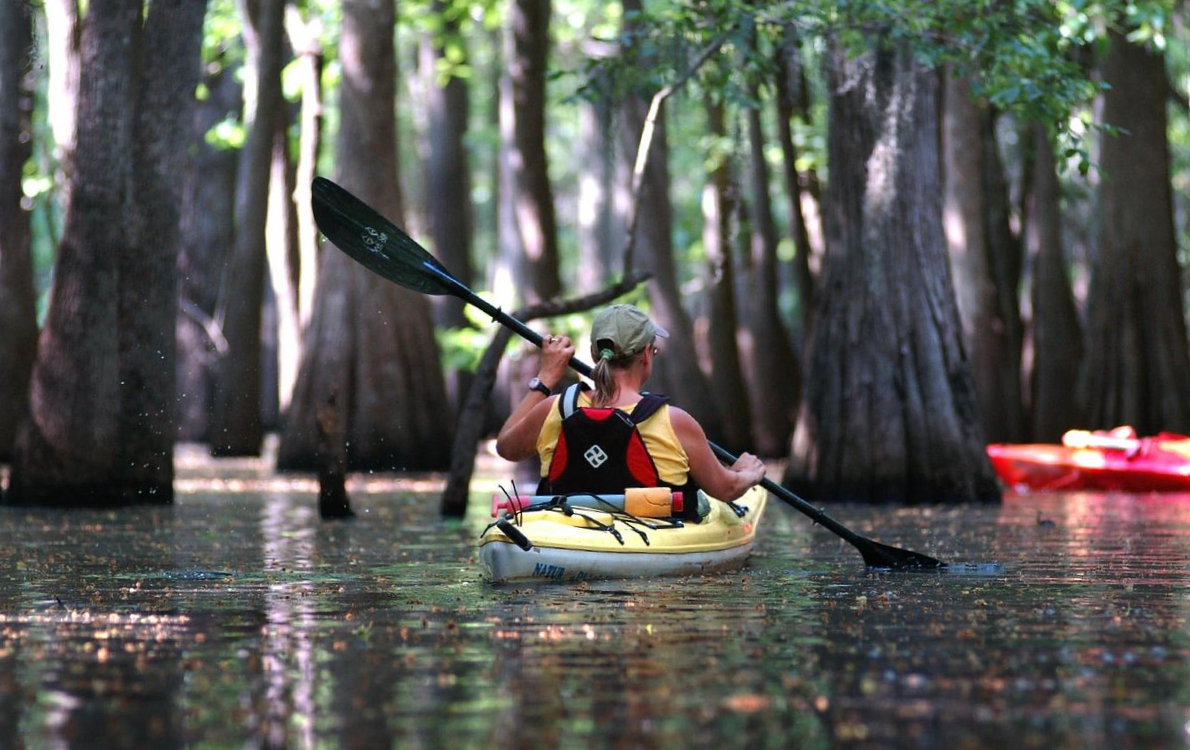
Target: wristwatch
pixel 536 385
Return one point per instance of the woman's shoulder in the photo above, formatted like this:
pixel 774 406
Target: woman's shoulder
pixel 683 422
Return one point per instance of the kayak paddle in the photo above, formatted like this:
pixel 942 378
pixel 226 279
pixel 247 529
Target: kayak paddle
pixel 381 247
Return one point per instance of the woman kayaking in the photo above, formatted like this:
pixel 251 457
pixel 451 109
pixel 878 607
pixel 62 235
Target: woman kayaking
pixel 617 435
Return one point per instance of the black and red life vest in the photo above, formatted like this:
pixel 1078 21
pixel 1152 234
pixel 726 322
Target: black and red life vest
pixel 600 449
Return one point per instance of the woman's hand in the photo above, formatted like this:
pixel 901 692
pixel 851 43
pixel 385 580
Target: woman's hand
pixel 750 468
pixel 556 352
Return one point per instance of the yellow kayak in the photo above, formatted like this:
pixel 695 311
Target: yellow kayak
pixel 570 542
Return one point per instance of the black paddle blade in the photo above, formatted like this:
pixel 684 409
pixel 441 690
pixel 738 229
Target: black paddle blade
pixel 374 241
pixel 884 557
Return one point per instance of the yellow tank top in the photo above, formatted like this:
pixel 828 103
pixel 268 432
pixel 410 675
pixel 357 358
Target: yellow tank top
pixel 673 466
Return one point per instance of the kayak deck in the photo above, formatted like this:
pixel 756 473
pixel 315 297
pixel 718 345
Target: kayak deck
pixel 587 544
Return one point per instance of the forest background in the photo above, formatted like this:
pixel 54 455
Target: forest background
pixel 882 234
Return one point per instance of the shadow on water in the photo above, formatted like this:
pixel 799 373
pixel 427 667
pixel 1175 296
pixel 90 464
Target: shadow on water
pixel 237 618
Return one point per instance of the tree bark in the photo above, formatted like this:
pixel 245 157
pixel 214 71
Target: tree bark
pixel 101 425
pixel 601 199
pixel 447 178
pixel 284 266
pixel 792 101
pixel 889 412
pixel 1137 369
pixel 448 186
pixel 720 205
pixel 207 236
pixel 237 428
pixel 773 369
pixel 533 197
pixel 1057 340
pixel 369 341
pixel 303 37
pixel 985 259
pixel 18 304
pixel 167 80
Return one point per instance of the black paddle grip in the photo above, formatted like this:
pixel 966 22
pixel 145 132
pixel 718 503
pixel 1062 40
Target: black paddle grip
pixel 513 533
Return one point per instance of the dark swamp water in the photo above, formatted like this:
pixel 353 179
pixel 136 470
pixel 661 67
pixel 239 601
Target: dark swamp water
pixel 236 618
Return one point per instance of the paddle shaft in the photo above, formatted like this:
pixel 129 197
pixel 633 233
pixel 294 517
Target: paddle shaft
pixel 460 290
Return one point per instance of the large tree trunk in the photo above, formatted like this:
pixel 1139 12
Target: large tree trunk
pixel 101 426
pixel 284 265
pixel 448 186
pixel 370 343
pixel 533 197
pixel 307 48
pixel 168 78
pixel 601 196
pixel 1057 340
pixel 207 236
pixel 18 310
pixel 1137 369
pixel 237 428
pixel 793 101
pixel 889 411
pixel 773 368
pixel 985 258
pixel 719 212
pixel 447 178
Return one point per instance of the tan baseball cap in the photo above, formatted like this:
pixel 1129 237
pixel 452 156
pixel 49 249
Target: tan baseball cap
pixel 624 330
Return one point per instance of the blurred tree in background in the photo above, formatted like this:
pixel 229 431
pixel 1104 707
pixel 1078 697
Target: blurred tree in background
pixel 899 315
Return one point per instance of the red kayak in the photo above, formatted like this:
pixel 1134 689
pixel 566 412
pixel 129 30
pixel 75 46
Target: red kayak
pixel 1115 460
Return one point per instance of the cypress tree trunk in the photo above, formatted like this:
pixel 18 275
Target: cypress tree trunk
pixel 18 312
pixel 889 411
pixel 1137 369
pixel 773 371
pixel 101 425
pixel 986 260
pixel 237 428
pixel 532 197
pixel 370 342
pixel 1057 332
pixel 720 207
pixel 207 236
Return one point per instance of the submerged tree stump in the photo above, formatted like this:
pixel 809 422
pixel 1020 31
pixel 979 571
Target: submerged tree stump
pixel 333 502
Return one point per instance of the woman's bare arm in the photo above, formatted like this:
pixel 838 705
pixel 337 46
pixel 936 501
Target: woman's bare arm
pixel 518 437
pixel 717 480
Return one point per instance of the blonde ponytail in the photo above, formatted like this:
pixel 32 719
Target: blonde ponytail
pixel 606 386
pixel 605 383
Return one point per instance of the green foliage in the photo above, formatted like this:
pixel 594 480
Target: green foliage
pixel 450 24
pixel 228 133
pixel 1028 58
pixel 462 348
pixel 221 46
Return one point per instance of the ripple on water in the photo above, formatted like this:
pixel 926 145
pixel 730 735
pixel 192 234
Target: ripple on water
pixel 241 618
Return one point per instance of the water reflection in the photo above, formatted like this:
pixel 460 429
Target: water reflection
pixel 240 619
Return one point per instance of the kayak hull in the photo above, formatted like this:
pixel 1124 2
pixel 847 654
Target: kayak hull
pixel 580 547
pixel 1152 467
